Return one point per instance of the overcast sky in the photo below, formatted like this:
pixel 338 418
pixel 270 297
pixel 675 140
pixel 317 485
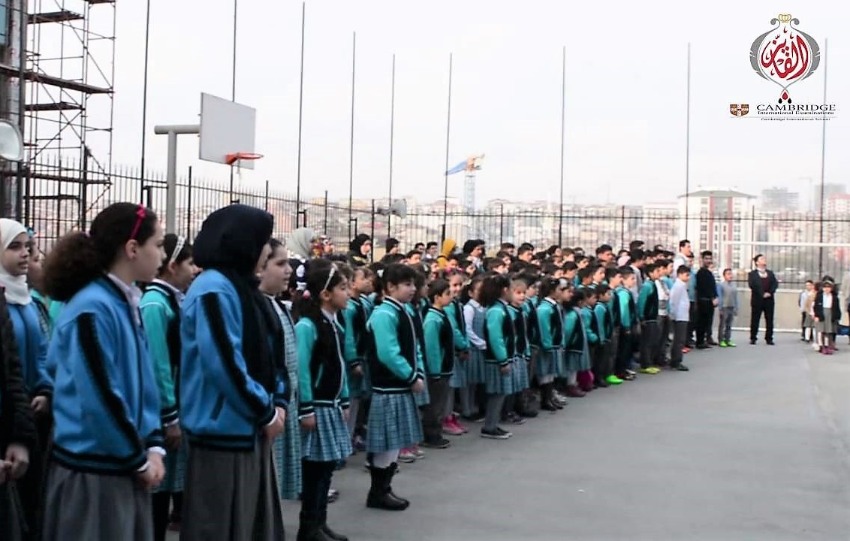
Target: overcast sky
pixel 625 97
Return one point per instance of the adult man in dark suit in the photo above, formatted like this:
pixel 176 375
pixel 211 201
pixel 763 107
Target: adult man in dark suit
pixel 763 286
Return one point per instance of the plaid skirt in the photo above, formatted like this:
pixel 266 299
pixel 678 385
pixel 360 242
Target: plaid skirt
pixel 474 367
pixel 547 362
pixel 561 370
pixel 576 362
pixel 330 441
pixel 458 379
pixel 497 383
pixel 360 386
pixel 175 470
pixel 393 423
pixel 519 372
pixel 287 457
pixel 422 399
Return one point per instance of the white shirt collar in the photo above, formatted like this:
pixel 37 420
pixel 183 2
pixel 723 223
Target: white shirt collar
pixel 132 293
pixel 177 293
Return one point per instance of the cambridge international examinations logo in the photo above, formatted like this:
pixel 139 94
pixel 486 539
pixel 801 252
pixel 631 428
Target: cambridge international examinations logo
pixel 784 56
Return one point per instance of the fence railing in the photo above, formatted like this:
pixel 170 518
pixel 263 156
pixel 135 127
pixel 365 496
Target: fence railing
pixel 57 197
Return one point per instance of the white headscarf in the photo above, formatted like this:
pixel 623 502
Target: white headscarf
pixel 17 291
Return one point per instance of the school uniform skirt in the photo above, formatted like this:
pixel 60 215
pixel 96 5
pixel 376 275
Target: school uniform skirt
pixel 561 369
pixel 393 422
pixel 287 455
pixel 826 325
pixel 577 361
pixel 93 506
pixel 458 379
pixel 495 382
pixel 548 362
pixel 330 441
pixel 519 371
pixel 474 367
pixel 229 495
pixel 175 470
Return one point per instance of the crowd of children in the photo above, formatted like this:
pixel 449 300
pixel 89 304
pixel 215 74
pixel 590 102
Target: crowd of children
pixel 820 309
pixel 225 390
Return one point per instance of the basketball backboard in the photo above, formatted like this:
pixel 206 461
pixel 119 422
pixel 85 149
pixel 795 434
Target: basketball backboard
pixel 226 128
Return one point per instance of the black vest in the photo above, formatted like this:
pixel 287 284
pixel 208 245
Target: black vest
pixel 327 363
pixel 383 379
pixel 446 344
pixel 521 332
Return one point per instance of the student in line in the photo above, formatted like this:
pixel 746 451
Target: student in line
pixel 680 312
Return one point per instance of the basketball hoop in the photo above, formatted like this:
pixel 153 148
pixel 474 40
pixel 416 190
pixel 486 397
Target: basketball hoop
pixel 237 158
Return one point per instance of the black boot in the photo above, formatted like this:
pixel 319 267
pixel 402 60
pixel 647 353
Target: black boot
pixel 311 530
pixel 393 469
pixel 546 402
pixel 330 534
pixel 379 493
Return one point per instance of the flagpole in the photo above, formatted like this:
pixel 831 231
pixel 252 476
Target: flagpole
pixel 822 161
pixel 392 140
pixel 351 139
pixel 300 123
pixel 233 76
pixel 448 141
pixel 688 148
pixel 563 107
pixel 145 98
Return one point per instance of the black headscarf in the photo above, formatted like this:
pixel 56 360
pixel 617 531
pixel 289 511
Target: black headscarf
pixel 231 241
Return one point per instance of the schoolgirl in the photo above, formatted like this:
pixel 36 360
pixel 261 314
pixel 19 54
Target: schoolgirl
pixel 31 339
pixel 355 315
pixel 17 429
pixel 274 279
pixel 550 339
pixel 232 366
pixel 475 317
pixel 322 411
pixel 439 363
pixel 827 310
pixel 587 377
pixel 417 308
pixel 458 379
pixel 519 369
pixel 397 374
pixel 575 344
pixel 48 309
pixel 160 309
pixel 107 440
pixel 500 336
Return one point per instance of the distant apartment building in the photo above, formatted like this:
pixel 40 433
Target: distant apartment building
pixel 779 200
pixel 720 220
pixel 830 189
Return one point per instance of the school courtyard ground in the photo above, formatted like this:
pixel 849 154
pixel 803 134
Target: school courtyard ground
pixel 752 444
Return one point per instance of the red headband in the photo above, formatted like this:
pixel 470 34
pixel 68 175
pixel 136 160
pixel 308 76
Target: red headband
pixel 141 214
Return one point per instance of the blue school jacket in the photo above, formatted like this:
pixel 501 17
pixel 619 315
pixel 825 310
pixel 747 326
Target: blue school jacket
pixel 161 312
pixel 521 331
pixel 355 315
pixel 105 400
pixel 454 311
pixel 550 325
pixel 224 407
pixel 322 374
pixel 604 325
pixel 32 348
pixel 499 334
pixel 439 344
pixel 396 358
pixel 591 325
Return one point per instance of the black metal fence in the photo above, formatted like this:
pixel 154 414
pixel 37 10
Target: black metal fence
pixel 58 197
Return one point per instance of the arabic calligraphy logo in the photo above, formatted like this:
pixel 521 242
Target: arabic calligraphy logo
pixel 739 109
pixel 784 55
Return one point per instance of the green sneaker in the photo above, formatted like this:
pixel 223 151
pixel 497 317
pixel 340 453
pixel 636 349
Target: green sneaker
pixel 613 380
pixel 724 344
pixel 730 344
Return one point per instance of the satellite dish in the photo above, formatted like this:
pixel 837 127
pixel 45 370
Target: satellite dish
pixel 397 208
pixel 11 142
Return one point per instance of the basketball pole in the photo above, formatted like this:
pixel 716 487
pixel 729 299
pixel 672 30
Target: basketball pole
pixel 392 141
pixel 822 162
pixel 448 146
pixel 300 122
pixel 563 119
pixel 688 147
pixel 351 138
pixel 233 78
pixel 145 99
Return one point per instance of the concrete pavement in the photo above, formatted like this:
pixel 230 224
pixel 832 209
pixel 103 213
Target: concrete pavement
pixel 752 444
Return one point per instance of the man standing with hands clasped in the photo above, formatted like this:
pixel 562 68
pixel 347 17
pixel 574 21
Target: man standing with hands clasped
pixel 763 286
pixel 706 291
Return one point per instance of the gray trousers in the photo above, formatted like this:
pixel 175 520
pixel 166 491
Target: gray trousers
pixel 680 338
pixel 663 345
pixel 231 495
pixel 435 411
pixel 724 328
pixel 649 338
pixel 92 506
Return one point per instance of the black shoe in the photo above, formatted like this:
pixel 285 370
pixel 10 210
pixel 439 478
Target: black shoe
pixel 496 434
pixel 330 534
pixel 310 530
pixel 681 368
pixel 601 383
pixel 770 343
pixel 528 414
pixel 441 443
pixel 703 346
pixel 711 342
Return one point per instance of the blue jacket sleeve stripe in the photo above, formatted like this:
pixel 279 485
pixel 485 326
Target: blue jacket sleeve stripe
pixel 94 359
pixel 212 309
